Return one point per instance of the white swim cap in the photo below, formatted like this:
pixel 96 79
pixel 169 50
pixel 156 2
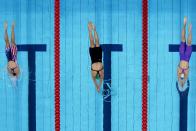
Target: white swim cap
pixel 182 76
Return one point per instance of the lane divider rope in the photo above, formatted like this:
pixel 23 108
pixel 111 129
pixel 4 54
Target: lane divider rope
pixel 57 62
pixel 144 65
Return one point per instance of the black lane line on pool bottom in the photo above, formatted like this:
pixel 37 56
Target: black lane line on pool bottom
pixel 108 49
pixel 31 50
pixel 183 94
pixel 183 106
pixel 175 48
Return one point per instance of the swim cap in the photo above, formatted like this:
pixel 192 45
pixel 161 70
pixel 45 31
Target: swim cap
pixel 182 76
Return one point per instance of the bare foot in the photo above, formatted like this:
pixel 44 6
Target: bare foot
pixel 5 25
pixel 90 27
pixel 185 20
pixel 94 28
pixel 13 25
pixel 190 28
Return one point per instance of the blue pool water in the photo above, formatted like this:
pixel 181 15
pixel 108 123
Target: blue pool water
pixel 34 25
pixel 118 22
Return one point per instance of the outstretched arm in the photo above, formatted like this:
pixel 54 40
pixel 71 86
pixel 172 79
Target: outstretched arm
pixel 93 74
pixel 100 82
pixel 96 84
pixel 101 78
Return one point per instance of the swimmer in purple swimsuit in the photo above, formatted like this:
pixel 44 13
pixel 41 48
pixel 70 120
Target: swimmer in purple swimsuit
pixel 11 52
pixel 185 51
pixel 95 51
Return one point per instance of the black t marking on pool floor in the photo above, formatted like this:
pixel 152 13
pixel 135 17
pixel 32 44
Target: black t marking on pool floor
pixel 31 49
pixel 183 95
pixel 107 50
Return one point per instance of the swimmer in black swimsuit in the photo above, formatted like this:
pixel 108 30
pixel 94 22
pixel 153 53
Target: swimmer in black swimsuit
pixel 97 69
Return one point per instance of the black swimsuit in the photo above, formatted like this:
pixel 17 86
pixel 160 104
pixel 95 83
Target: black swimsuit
pixel 97 70
pixel 96 56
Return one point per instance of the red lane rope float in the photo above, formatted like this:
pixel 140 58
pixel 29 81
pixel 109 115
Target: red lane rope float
pixel 144 65
pixel 57 62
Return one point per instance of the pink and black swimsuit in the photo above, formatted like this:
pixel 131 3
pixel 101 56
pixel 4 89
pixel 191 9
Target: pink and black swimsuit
pixel 11 53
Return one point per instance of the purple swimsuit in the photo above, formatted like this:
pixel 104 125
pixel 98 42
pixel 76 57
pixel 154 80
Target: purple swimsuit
pixel 185 51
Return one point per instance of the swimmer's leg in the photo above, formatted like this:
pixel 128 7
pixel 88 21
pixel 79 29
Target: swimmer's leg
pixel 183 39
pixel 7 49
pixel 13 47
pixel 188 51
pixel 182 48
pixel 6 35
pixel 96 37
pixel 183 34
pixel 92 44
pixel 13 34
pixel 190 35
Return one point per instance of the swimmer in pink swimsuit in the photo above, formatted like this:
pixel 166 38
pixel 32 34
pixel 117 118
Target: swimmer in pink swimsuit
pixel 11 52
pixel 185 51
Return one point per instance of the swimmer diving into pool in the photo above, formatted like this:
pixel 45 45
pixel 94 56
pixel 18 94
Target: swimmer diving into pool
pixel 97 69
pixel 185 51
pixel 11 52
